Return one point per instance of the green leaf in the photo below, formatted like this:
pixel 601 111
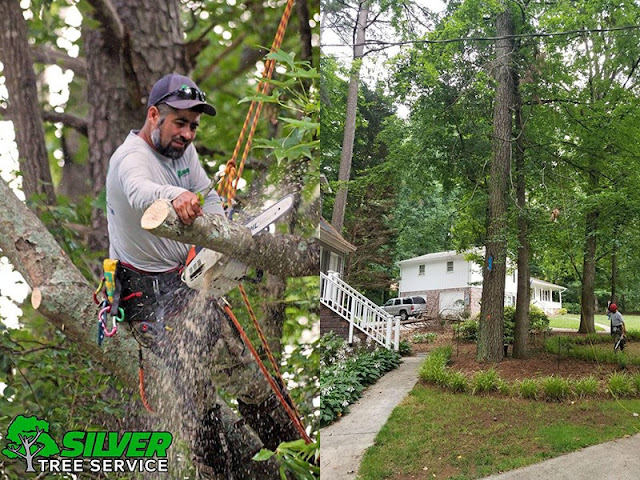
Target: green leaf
pixel 263 455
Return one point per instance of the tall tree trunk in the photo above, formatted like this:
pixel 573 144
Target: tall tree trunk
pixel 521 334
pixel 121 69
pixel 340 205
pixel 23 106
pixel 614 265
pixel 490 334
pixel 588 298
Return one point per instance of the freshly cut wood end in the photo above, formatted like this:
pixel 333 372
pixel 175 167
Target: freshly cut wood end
pixel 155 215
pixel 36 298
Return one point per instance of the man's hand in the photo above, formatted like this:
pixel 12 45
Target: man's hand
pixel 187 206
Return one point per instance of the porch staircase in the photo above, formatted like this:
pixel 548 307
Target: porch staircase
pixel 359 311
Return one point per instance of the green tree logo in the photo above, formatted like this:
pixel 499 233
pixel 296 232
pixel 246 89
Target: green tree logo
pixel 28 438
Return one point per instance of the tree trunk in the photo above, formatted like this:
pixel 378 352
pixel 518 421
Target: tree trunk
pixel 23 105
pixel 490 334
pixel 121 69
pixel 340 205
pixel 521 334
pixel 614 265
pixel 588 298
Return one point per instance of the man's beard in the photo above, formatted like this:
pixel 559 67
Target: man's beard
pixel 166 150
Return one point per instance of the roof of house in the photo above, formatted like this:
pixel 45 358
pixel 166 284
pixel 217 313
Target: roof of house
pixel 431 256
pixel 330 237
pixel 543 283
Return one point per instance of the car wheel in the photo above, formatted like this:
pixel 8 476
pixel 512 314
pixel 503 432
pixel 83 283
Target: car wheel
pixel 403 315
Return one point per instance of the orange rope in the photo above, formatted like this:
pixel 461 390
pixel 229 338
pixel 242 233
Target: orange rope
pixel 292 415
pixel 267 349
pixel 228 187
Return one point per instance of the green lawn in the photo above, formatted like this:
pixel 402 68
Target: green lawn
pixel 437 434
pixel 573 321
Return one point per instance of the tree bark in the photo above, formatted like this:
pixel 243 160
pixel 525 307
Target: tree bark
pixel 490 334
pixel 614 265
pixel 284 255
pixel 521 334
pixel 588 297
pixel 340 205
pixel 24 108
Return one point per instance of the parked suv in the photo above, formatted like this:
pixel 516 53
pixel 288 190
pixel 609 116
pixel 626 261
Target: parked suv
pixel 405 306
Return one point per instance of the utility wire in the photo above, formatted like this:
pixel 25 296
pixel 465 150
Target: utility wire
pixel 487 39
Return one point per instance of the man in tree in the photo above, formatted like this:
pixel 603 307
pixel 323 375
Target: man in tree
pixel 159 161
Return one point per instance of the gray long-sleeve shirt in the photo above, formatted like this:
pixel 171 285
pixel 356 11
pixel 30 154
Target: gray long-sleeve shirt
pixel 138 176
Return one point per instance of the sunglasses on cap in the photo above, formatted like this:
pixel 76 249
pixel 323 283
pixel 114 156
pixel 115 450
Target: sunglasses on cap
pixel 185 92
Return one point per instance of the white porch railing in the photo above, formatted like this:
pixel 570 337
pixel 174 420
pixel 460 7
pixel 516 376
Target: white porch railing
pixel 359 311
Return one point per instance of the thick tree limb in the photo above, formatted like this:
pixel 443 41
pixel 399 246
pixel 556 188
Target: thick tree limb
pixel 77 123
pixel 52 56
pixel 283 255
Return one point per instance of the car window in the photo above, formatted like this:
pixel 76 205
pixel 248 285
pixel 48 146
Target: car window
pixel 397 301
pixel 389 303
pixel 406 301
pixel 419 300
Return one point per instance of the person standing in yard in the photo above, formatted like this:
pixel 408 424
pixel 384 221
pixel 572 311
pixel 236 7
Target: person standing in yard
pixel 618 329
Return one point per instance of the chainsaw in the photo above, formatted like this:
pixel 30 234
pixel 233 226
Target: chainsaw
pixel 218 274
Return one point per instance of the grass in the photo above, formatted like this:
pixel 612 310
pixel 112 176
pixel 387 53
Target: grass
pixel 573 321
pixel 436 434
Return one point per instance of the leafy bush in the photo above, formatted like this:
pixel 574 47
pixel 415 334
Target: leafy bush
pixel 344 376
pixel 467 330
pixel 555 388
pixel 539 322
pixel 584 387
pixel 457 382
pixel 573 308
pixel 636 382
pixel 404 348
pixel 620 385
pixel 433 369
pixel 485 381
pixel 504 387
pixel 528 388
pixel 562 311
pixel 424 337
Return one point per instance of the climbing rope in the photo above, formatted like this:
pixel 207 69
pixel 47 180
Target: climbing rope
pixel 227 190
pixel 229 184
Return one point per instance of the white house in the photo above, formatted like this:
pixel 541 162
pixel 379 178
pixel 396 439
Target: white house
pixel 452 284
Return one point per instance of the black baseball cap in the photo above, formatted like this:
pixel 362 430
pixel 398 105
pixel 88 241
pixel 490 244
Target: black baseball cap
pixel 179 92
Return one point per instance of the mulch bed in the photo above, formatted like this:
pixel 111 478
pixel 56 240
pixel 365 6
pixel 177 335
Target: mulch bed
pixel 538 364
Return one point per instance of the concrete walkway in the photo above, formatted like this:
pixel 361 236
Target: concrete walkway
pixel 343 443
pixel 615 460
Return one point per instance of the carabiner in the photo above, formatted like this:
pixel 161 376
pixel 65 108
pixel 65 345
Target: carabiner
pixel 113 330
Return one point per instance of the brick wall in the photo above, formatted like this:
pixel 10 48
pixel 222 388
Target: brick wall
pixel 332 322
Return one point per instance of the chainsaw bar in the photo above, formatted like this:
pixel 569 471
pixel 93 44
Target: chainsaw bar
pixel 229 272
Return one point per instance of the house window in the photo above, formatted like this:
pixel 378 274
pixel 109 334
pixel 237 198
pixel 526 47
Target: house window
pixel 420 269
pixel 449 266
pixel 546 295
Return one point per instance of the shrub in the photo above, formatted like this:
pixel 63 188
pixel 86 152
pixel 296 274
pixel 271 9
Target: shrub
pixel 433 369
pixel 636 382
pixel 555 388
pixel 424 337
pixel 467 330
pixel 457 382
pixel 539 322
pixel 504 387
pixel 528 388
pixel 404 348
pixel 573 308
pixel 562 311
pixel 485 381
pixel 620 385
pixel 584 387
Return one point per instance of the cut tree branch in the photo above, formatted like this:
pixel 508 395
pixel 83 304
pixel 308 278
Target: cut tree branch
pixel 51 56
pixel 283 255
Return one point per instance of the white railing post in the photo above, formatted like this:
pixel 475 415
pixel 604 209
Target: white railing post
pixel 388 337
pixel 396 343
